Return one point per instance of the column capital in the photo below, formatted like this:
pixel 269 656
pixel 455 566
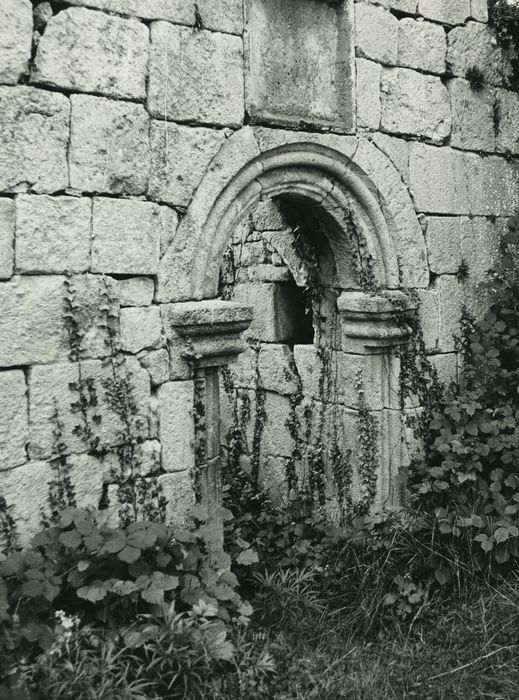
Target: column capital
pixel 373 322
pixel 211 330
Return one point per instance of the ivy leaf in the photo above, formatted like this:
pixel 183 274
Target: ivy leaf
pixel 247 558
pixel 501 534
pixel 115 544
pixel 95 592
pixel 123 588
pixel 83 565
pixel 71 540
pixel 443 575
pixel 129 554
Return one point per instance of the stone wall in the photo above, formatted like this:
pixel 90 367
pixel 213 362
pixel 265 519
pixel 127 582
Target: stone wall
pixel 114 118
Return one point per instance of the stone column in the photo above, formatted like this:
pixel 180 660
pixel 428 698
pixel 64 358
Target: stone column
pixel 210 334
pixel 372 324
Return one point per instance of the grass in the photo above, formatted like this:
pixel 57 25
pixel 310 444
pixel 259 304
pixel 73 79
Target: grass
pixel 462 647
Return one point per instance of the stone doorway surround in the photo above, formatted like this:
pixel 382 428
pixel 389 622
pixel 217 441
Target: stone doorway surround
pixel 345 176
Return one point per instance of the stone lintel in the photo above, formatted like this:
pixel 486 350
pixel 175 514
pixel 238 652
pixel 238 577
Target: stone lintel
pixel 212 329
pixel 372 322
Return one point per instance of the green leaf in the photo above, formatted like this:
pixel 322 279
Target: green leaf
pixel 247 558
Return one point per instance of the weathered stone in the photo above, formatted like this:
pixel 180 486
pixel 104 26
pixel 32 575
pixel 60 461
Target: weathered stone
pixel 31 322
pixel 157 364
pixel 447 367
pixel 275 438
pixel 41 15
pixel 14 428
pixel 267 216
pixel 446 181
pixel 479 10
pixel 480 250
pixel 91 51
pixel 451 296
pixel 52 234
pixel 141 328
pixel 168 227
pixel 179 491
pixel 443 237
pixel 222 15
pixel 397 150
pixel 7 227
pixel 109 146
pixel 34 129
pixel 178 11
pixel 429 314
pixel 146 461
pixel 409 6
pixel 180 157
pixel 421 45
pixel 177 428
pixel 413 103
pixel 507 112
pixel 26 489
pixel 299 65
pixel 279 315
pixel 126 236
pixel 472 116
pixel 15 39
pixel 368 94
pixel 53 388
pixel 376 33
pixel 447 11
pixel 474 45
pixel 195 75
pixel 135 291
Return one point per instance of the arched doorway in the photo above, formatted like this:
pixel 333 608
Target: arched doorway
pixel 370 244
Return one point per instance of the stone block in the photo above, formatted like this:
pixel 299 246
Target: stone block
pixel 480 243
pixel 447 367
pixel 147 462
pixel 179 492
pixel 126 237
pixel 34 131
pixel 277 369
pixel 196 76
pixel 368 94
pixel 141 329
pixel 178 11
pixel 446 11
pixel 177 427
pixel 479 10
pixel 414 103
pixel 421 45
pixel 276 438
pixel 31 322
pixel 7 227
pixel 299 66
pixel 88 51
pixel 181 156
pixel 438 180
pixel 507 110
pixel 267 216
pixel 14 426
pixel 157 364
pixel 222 15
pixel 109 146
pixel 474 45
pixel 26 489
pixel 443 238
pixel 429 314
pixel 397 150
pixel 279 315
pixel 376 34
pixel 168 227
pixel 54 388
pixel 52 234
pixel 408 6
pixel 135 291
pixel 272 477
pixel 15 39
pixel 451 297
pixel 472 116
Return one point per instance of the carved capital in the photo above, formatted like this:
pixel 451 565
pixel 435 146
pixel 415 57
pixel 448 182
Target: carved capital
pixel 210 330
pixel 371 323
